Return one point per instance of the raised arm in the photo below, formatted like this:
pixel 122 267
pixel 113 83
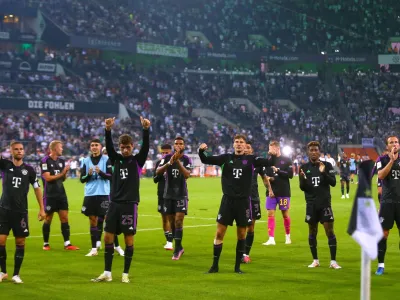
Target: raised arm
pixel 286 171
pixel 144 150
pixel 206 159
pixel 385 167
pixel 265 162
pixel 328 173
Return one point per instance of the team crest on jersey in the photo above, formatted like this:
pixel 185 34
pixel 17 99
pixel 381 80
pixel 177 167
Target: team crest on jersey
pixel 48 207
pixel 44 167
pixel 282 162
pixel 308 218
pixel 381 220
pixel 60 165
pixel 83 208
pixel 24 172
pixel 245 162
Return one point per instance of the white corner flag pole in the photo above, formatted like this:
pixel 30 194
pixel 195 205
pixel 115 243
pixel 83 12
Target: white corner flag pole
pixel 365 293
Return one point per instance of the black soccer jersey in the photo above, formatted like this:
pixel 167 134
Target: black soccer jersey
pixel 55 188
pixel 126 175
pixel 316 186
pixel 344 167
pixel 280 184
pixel 255 196
pixel 391 184
pixel 160 179
pixel 16 182
pixel 237 171
pixel 175 182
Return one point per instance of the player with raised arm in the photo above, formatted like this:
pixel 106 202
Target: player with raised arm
pixel 278 193
pixel 54 173
pixel 123 210
pixel 388 167
pixel 176 169
pixel 237 174
pixel 353 167
pixel 255 206
pixel 160 180
pixel 16 177
pixel 316 178
pixel 344 167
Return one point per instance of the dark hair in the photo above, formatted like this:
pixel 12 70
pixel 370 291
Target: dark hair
pixel 15 143
pixel 95 141
pixel 240 137
pixel 249 143
pixel 166 147
pixel 314 144
pixel 179 138
pixel 390 136
pixel 125 139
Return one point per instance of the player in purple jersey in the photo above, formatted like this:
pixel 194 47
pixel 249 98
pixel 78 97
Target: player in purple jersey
pixel 14 206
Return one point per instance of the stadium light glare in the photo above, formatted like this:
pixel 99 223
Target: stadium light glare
pixel 287 151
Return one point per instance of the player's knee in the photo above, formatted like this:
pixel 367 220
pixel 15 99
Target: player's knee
pixel 385 234
pixel 108 238
pixel 250 229
pixel 20 241
pixel 271 213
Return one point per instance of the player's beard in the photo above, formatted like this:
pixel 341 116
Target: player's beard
pixel 18 157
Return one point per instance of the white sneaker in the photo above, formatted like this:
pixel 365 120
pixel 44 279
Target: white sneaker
pixel 169 246
pixel 102 277
pixel 315 264
pixel 271 241
pixel 347 196
pixel 98 245
pixel 342 197
pixel 17 279
pixel 334 265
pixel 125 278
pixel 120 251
pixel 288 240
pixel 93 252
pixel 3 276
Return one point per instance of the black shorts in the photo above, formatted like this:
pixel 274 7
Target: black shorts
pixel 239 210
pixel 388 214
pixel 345 178
pixel 52 205
pixel 320 214
pixel 95 205
pixel 122 218
pixel 160 206
pixel 256 209
pixel 172 206
pixel 15 221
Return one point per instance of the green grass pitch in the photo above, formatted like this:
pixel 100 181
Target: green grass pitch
pixel 275 272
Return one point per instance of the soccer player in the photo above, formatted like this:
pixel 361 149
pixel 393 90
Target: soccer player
pixel 160 180
pixel 388 168
pixel 255 205
pixel 379 181
pixel 176 168
pixel 16 177
pixel 316 178
pixel 54 173
pixel 344 167
pixel 237 174
pixel 278 192
pixel 122 213
pixel 353 167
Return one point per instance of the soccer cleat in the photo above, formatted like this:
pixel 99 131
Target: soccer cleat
pixel 238 271
pixel 102 278
pixel 347 196
pixel 46 247
pixel 380 271
pixel 334 265
pixel 213 270
pixel 246 259
pixel 178 255
pixel 93 252
pixel 17 279
pixel 98 245
pixel 315 264
pixel 3 276
pixel 288 240
pixel 342 197
pixel 169 246
pixel 125 278
pixel 120 251
pixel 271 241
pixel 71 247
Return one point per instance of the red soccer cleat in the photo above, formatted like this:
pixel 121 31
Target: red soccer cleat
pixel 46 248
pixel 71 247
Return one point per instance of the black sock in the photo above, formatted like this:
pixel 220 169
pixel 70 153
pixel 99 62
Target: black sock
pixel 170 237
pixel 166 233
pixel 249 241
pixel 312 241
pixel 382 245
pixel 100 222
pixel 217 254
pixel 240 247
pixel 332 242
pixel 116 241
pixel 46 232
pixel 379 197
pixel 108 256
pixel 65 231
pixel 93 236
pixel 348 188
pixel 342 188
pixel 18 258
pixel 178 239
pixel 3 259
pixel 128 258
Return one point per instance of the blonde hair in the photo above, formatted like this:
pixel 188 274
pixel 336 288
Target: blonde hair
pixel 53 144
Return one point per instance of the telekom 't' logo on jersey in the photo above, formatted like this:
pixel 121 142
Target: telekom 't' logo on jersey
pixel 175 173
pixel 16 181
pixel 396 174
pixel 315 181
pixel 237 173
pixel 123 173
